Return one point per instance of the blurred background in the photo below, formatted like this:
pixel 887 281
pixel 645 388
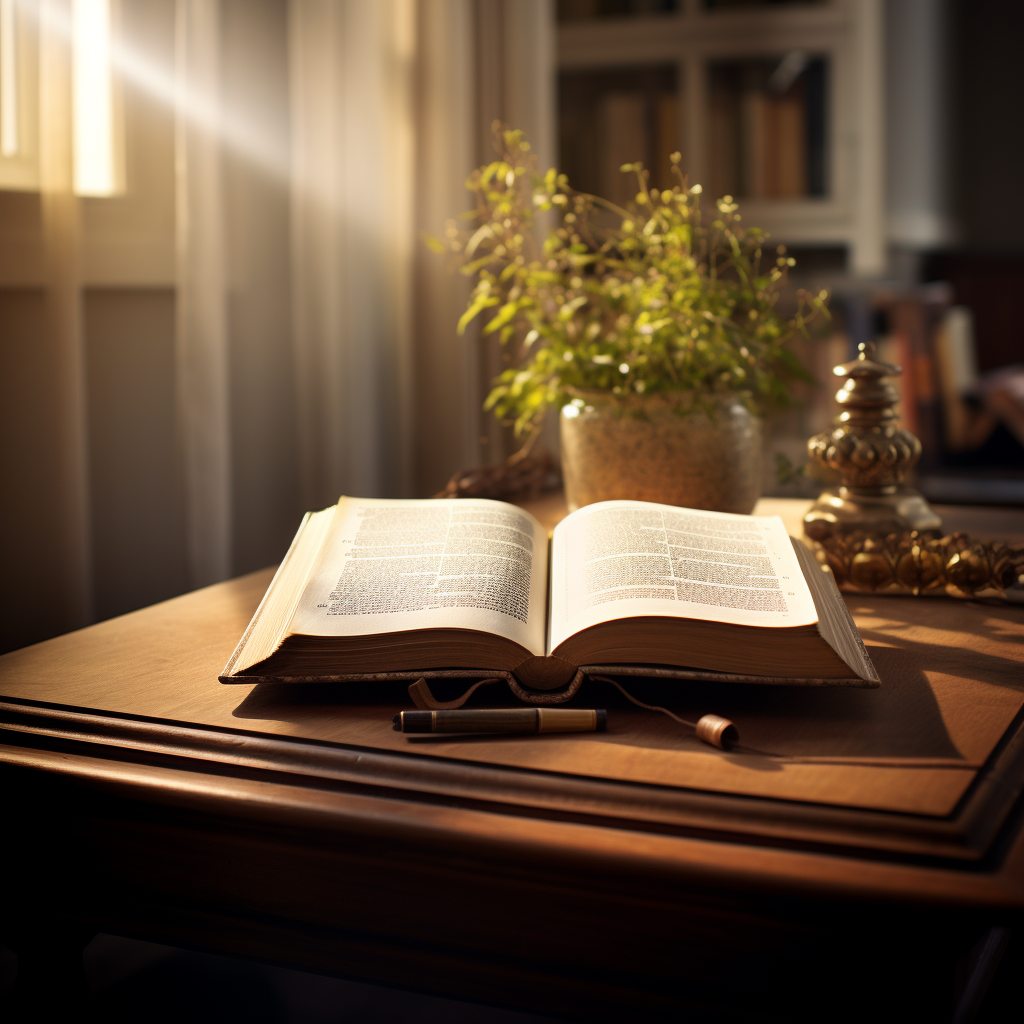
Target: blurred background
pixel 216 310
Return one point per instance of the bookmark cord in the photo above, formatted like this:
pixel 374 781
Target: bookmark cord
pixel 712 729
pixel 426 701
pixel 741 748
pixel 640 704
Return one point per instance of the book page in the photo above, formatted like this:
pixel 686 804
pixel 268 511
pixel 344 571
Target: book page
pixel 270 623
pixel 618 559
pixel 465 563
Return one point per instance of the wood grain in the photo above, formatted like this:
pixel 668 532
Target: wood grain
pixel 589 922
pixel 611 877
pixel 951 689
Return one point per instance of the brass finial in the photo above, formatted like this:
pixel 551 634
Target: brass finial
pixel 871 452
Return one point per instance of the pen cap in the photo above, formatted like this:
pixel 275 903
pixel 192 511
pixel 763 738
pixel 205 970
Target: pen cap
pixel 571 720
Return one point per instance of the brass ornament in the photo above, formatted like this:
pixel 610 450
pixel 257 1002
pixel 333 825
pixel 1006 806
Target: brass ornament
pixel 915 563
pixel 871 452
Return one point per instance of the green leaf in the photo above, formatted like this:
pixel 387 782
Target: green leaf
pixel 471 268
pixel 505 314
pixel 482 303
pixel 688 305
pixel 478 236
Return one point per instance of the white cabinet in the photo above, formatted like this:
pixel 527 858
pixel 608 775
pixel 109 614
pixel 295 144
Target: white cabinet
pixel 779 104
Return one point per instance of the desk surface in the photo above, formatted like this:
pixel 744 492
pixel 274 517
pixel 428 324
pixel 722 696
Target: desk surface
pixel 906 795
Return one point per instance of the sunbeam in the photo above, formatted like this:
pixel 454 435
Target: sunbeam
pixel 95 145
pixel 200 108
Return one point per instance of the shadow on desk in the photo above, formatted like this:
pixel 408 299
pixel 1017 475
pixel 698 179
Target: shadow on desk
pixel 900 719
pixel 951 688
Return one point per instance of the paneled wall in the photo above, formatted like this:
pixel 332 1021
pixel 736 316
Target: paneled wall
pixel 135 486
pixel 138 530
pixel 31 603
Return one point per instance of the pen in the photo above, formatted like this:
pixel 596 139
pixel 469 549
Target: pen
pixel 504 720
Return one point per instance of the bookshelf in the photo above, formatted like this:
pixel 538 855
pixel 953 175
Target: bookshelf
pixel 777 103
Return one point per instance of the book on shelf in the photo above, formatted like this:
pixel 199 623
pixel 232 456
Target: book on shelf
pixel 624 134
pixel 376 588
pixel 957 364
pixel 636 125
pixel 758 138
pixel 915 317
pixel 775 145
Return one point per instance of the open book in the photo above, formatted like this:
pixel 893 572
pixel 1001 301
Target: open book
pixel 372 588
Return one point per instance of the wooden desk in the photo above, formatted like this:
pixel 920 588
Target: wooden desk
pixel 614 878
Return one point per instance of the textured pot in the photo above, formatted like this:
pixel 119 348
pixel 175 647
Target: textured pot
pixel 640 449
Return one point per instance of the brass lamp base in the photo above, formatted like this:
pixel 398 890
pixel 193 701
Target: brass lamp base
pixel 874 510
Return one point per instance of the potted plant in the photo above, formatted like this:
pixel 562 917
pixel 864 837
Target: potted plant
pixel 654 329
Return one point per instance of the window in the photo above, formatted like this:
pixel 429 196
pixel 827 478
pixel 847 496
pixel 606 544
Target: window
pixel 96 122
pixel 19 96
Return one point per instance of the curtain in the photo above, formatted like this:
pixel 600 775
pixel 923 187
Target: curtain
pixel 70 591
pixel 352 77
pixel 315 350
pixel 389 107
pixel 201 326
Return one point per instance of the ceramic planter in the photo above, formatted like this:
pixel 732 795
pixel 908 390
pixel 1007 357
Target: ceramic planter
pixel 639 448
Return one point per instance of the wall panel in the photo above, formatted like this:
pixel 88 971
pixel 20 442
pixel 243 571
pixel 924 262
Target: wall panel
pixel 137 504
pixel 31 566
